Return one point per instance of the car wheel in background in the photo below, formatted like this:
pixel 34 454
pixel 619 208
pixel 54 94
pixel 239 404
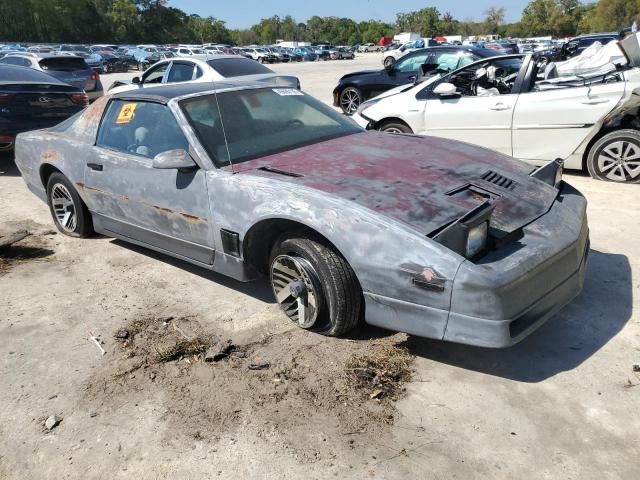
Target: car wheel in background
pixel 388 61
pixel 315 287
pixel 350 100
pixel 616 157
pixel 69 212
pixel 395 127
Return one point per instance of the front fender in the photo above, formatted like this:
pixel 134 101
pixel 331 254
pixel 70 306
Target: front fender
pixel 386 255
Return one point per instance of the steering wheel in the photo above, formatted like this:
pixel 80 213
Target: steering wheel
pixel 294 123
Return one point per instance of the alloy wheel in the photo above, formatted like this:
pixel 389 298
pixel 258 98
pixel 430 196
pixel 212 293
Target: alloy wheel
pixel 620 161
pixel 350 101
pixel 295 285
pixel 64 208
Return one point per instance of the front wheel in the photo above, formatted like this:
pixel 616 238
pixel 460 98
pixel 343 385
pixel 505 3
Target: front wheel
pixel 350 100
pixel 616 157
pixel 69 212
pixel 395 127
pixel 315 287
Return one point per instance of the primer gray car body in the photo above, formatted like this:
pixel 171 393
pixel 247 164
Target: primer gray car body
pixel 378 199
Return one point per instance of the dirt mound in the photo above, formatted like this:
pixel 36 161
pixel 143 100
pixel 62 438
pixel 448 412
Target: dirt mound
pixel 292 383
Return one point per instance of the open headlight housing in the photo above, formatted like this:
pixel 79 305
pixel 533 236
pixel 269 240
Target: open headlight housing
pixel 551 173
pixel 468 236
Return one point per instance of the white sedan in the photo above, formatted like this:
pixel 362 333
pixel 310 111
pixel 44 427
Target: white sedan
pixel 212 68
pixel 519 107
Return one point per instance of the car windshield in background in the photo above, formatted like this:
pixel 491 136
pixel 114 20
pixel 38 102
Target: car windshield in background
pixel 63 63
pixel 237 67
pixel 261 122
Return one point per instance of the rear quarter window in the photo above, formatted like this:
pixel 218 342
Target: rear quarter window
pixel 237 67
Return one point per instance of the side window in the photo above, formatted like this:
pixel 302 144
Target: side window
pixel 412 63
pixel 156 74
pixel 490 78
pixel 140 128
pixel 204 116
pixel 180 72
pixel 23 62
pixel 449 61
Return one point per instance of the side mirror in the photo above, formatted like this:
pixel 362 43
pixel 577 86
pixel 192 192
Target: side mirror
pixel 174 159
pixel 135 80
pixel 446 90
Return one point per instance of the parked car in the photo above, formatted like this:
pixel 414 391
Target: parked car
pixel 321 52
pixel 369 47
pixel 341 54
pixel 194 70
pixel 281 55
pixel 113 64
pixel 406 232
pixel 357 87
pixel 72 70
pixel 578 44
pixel 30 99
pixel 391 56
pixel 261 55
pixel 307 55
pixel 517 106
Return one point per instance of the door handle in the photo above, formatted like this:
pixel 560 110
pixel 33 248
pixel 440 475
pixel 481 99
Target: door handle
pixel 499 106
pixel 95 166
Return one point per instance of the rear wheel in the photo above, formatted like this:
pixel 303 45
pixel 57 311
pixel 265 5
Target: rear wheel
pixel 350 100
pixel 395 127
pixel 616 157
pixel 69 212
pixel 388 61
pixel 315 287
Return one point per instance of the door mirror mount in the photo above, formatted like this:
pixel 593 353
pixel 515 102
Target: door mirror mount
pixel 136 80
pixel 446 89
pixel 174 159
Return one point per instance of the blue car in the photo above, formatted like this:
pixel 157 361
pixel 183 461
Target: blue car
pixel 307 55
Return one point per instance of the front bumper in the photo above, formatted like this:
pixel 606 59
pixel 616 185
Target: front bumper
pixel 501 299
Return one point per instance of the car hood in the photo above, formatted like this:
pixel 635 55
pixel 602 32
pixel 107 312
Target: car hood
pixel 420 181
pixel 363 73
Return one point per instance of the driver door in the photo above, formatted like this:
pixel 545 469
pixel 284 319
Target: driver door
pixel 164 208
pixel 483 119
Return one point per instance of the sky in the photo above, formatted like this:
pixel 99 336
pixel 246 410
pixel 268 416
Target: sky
pixel 244 13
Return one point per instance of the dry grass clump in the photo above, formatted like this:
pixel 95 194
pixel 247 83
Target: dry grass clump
pixel 182 348
pixel 381 371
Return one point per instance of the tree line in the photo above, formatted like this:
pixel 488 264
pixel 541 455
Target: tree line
pixel 153 21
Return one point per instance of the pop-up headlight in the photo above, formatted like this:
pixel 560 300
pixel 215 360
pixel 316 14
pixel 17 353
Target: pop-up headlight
pixel 551 173
pixel 468 235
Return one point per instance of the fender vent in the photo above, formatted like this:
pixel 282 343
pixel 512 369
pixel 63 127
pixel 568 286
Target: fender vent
pixel 499 180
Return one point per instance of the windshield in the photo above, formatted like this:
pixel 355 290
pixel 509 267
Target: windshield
pixel 261 122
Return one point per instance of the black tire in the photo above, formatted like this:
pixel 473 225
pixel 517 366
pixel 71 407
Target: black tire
pixel 83 226
pixel 607 158
pixel 395 127
pixel 338 291
pixel 350 99
pixel 389 61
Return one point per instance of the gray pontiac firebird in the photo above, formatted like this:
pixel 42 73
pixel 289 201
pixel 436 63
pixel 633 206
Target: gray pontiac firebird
pixel 432 237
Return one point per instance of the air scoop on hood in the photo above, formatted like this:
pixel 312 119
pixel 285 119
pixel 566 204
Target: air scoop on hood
pixel 410 179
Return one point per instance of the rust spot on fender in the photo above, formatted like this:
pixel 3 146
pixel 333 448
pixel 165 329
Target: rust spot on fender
pixel 163 209
pixel 50 156
pixel 82 186
pixel 192 218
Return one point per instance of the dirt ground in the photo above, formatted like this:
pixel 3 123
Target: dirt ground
pixel 276 402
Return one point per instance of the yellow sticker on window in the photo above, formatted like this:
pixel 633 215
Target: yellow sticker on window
pixel 126 113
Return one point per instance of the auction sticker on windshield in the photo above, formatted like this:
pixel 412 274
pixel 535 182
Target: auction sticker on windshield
pixel 287 91
pixel 126 113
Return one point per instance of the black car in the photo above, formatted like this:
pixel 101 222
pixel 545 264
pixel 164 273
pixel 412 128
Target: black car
pixel 31 99
pixel 580 43
pixel 355 88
